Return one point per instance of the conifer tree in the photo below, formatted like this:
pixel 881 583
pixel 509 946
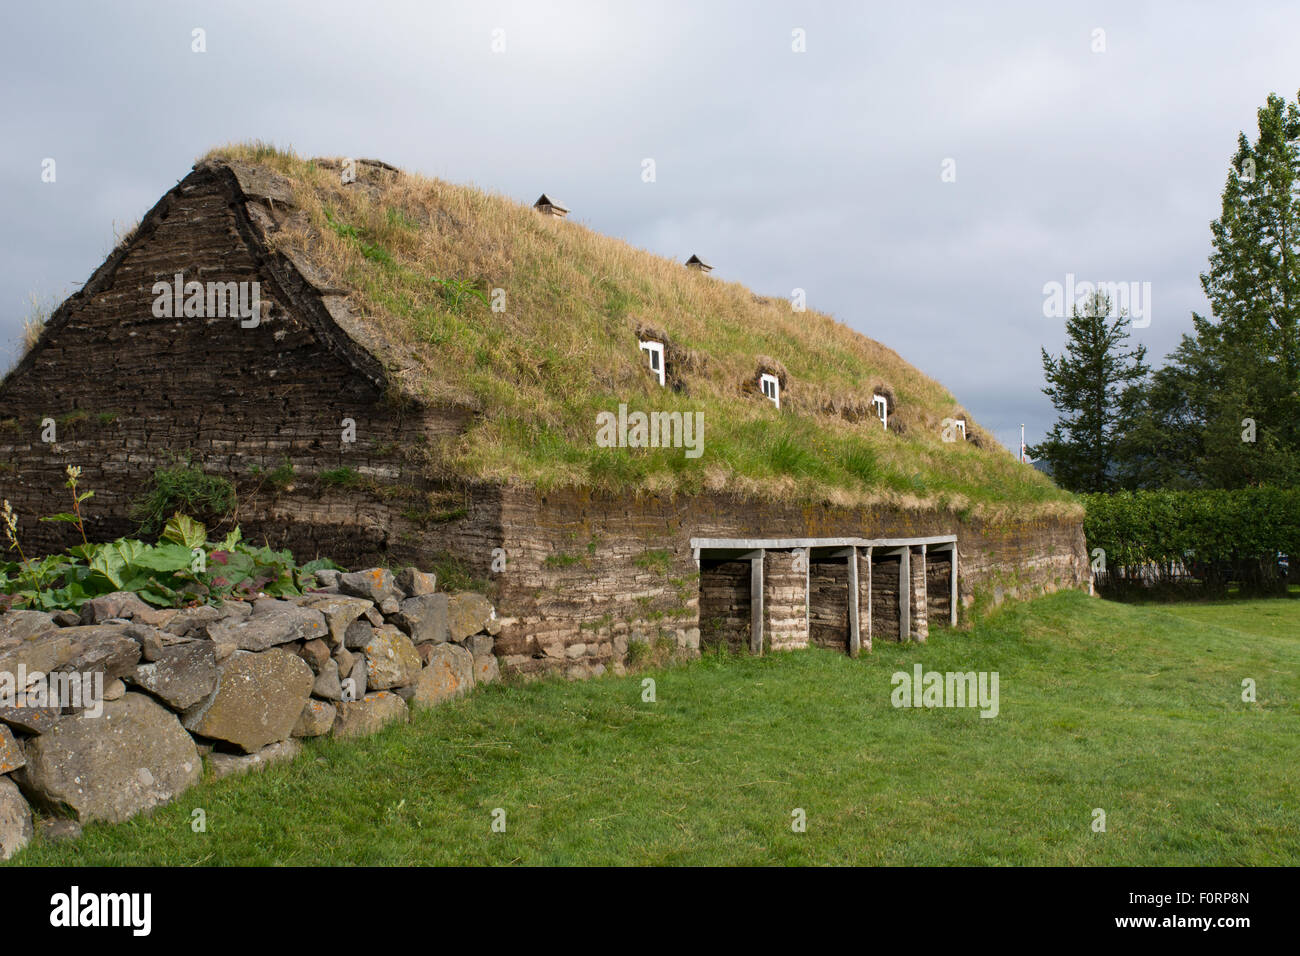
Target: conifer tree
pixel 1229 413
pixel 1094 384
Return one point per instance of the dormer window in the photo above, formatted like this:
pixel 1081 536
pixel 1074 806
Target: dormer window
pixel 771 387
pixel 882 410
pixel 961 427
pixel 656 352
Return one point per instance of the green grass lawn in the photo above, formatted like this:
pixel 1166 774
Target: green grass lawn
pixel 1134 710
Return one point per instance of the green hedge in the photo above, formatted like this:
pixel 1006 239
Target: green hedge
pixel 1203 539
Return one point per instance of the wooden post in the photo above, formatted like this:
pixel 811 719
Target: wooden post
pixel 870 626
pixel 952 577
pixel 756 604
pixel 905 596
pixel 855 638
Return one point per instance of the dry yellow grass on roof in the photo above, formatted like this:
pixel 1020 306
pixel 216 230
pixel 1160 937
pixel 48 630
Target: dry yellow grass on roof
pixel 427 260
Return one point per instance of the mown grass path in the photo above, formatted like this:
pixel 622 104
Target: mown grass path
pixel 1134 710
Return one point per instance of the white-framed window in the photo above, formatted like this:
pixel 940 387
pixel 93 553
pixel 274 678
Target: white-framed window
pixel 882 409
pixel 771 387
pixel 656 351
pixel 961 428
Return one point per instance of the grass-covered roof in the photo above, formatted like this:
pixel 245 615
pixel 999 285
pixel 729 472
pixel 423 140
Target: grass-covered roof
pixel 421 258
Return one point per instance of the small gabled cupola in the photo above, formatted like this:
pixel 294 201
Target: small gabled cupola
pixel 698 264
pixel 549 207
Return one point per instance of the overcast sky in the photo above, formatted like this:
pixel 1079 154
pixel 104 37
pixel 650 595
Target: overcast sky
pixel 821 170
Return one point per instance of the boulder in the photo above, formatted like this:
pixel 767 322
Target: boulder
pixel 424 618
pixel 354 685
pixel 486 669
pixel 450 673
pixel 29 720
pixel 114 690
pixel 374 584
pixel 316 720
pixel 479 644
pixel 272 623
pixel 358 635
pixel 371 713
pixel 194 621
pixel 133 757
pixel 328 577
pixel 339 611
pixel 96 648
pixel 153 640
pixel 150 640
pixel 11 755
pixel 119 604
pixel 227 765
pixel 327 686
pixel 467 614
pixel 391 659
pixel 181 676
pixel 413 583
pixel 257 700
pixel 315 653
pixel 15 819
pixel 17 626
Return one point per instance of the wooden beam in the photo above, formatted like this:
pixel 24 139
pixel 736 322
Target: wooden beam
pixel 756 613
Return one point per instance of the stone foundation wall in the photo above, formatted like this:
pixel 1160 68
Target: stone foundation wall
pixel 157 692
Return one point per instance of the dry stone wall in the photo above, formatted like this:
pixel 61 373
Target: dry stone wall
pixel 238 684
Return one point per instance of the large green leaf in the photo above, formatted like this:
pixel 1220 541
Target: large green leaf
pixel 114 560
pixel 184 530
pixel 164 557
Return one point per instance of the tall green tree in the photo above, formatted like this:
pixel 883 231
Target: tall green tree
pixel 1226 409
pixel 1093 384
